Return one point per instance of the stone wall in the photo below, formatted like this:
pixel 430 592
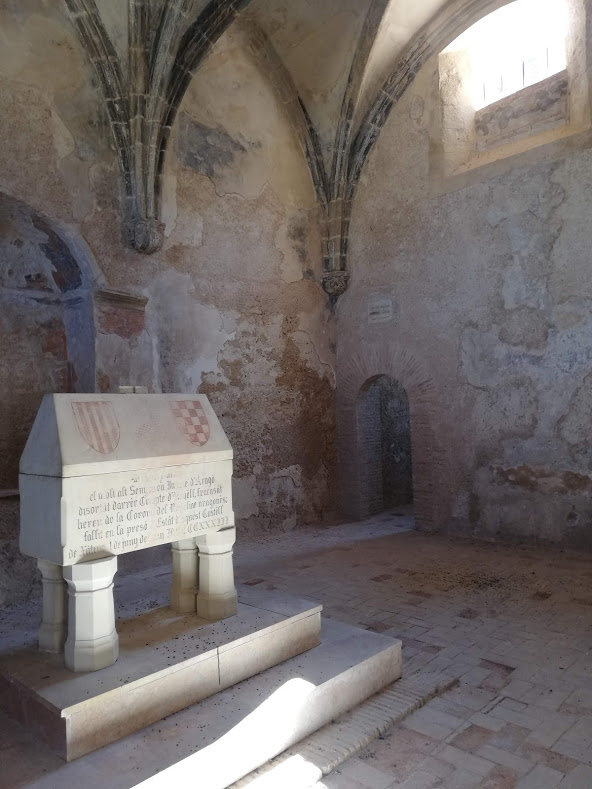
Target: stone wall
pixel 231 305
pixel 529 112
pixel 491 286
pixel 470 285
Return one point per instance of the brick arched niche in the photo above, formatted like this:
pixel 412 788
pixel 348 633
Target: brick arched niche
pixel 431 489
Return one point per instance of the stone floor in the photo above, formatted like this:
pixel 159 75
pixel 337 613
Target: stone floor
pixel 514 624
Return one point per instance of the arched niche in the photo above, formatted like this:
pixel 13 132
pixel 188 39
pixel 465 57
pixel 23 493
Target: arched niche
pixel 357 372
pixel 47 277
pixel 383 425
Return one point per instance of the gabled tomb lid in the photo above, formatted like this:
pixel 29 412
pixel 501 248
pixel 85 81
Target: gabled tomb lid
pixel 83 434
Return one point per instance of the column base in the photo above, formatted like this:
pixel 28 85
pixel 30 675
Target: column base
pixel 214 607
pixel 53 630
pixel 182 602
pixel 185 577
pixel 216 598
pixel 52 637
pixel 92 655
pixel 92 642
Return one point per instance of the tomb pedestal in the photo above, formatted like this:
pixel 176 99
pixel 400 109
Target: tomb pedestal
pixel 185 576
pixel 167 662
pixel 103 475
pixel 54 627
pixel 92 641
pixel 216 598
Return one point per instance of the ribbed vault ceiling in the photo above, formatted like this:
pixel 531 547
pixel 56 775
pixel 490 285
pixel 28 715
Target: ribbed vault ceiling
pixel 339 67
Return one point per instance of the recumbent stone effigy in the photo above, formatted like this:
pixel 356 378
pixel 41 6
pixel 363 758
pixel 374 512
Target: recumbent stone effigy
pixel 103 475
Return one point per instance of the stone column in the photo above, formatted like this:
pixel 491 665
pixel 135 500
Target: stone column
pixel 53 629
pixel 184 587
pixel 92 642
pixel 216 598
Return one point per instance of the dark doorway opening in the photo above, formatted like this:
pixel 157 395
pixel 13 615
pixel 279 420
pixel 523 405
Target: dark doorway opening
pixel 384 429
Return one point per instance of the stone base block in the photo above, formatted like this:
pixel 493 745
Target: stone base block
pixel 167 662
pixel 242 728
pixel 92 655
pixel 214 608
pixel 214 743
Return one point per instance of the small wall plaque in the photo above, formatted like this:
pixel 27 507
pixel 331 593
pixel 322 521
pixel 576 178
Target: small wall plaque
pixel 380 309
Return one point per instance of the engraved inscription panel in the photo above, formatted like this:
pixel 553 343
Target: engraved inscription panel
pixel 109 514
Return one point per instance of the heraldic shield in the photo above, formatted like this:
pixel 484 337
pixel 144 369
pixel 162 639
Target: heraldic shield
pixel 97 424
pixel 191 421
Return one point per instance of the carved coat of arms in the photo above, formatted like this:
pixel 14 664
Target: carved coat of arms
pixel 97 424
pixel 191 421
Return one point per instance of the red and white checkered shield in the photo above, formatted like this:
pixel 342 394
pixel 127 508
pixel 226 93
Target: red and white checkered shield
pixel 191 421
pixel 97 424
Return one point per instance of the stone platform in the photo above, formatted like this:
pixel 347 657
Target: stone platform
pixel 259 719
pixel 214 743
pixel 167 662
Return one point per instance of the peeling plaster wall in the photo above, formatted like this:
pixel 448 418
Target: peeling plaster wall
pixel 237 311
pixel 47 346
pixel 490 293
pixel 233 308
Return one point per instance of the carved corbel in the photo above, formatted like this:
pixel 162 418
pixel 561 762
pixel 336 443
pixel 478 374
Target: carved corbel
pixel 335 284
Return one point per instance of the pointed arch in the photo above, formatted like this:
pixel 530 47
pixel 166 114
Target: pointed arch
pixel 287 92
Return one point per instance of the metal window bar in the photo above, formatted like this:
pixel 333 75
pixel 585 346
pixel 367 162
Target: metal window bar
pixel 500 88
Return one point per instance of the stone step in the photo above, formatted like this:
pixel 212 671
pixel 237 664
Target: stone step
pixel 261 718
pixel 316 756
pixel 227 736
pixel 167 662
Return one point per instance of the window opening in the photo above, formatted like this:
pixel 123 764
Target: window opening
pixel 514 47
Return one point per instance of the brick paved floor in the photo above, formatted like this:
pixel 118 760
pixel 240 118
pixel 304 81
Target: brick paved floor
pixel 513 623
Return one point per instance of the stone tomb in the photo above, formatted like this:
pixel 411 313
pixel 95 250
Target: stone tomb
pixel 103 475
pixel 107 474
